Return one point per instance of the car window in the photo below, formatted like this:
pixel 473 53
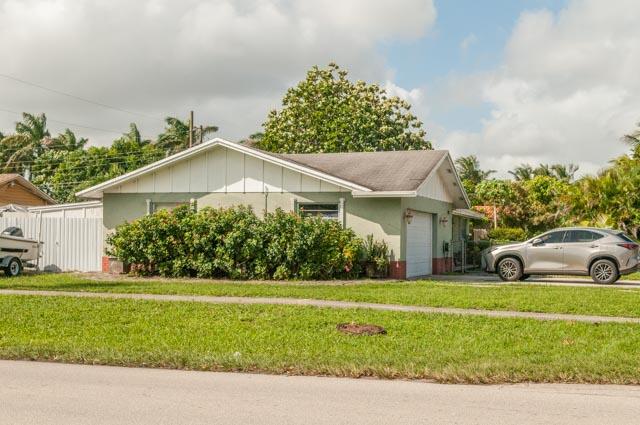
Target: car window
pixel 553 237
pixel 625 237
pixel 582 236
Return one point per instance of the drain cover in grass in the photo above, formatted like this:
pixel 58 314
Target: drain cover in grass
pixel 361 329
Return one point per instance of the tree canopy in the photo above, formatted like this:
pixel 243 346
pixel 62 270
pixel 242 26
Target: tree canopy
pixel 327 112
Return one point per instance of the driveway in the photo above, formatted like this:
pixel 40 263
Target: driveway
pixel 480 278
pixel 49 393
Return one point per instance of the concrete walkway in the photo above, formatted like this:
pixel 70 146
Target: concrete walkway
pixel 486 278
pixel 328 304
pixel 50 393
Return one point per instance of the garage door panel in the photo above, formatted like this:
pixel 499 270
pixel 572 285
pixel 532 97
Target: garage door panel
pixel 419 236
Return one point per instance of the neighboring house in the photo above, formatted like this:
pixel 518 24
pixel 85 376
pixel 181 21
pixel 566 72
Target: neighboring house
pixel 407 198
pixel 15 189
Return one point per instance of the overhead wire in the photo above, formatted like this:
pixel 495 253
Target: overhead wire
pixel 80 98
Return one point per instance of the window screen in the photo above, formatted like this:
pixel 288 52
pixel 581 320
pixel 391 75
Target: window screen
pixel 326 211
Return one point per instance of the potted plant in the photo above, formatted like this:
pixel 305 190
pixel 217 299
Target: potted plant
pixel 376 258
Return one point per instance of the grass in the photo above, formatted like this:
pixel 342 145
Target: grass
pixel 304 340
pixel 530 298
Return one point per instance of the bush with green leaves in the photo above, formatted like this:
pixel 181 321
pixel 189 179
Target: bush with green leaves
pixel 509 234
pixel 375 257
pixel 235 243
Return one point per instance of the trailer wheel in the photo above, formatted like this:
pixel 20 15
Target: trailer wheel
pixel 14 268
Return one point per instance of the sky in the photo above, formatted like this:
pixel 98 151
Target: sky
pixel 510 81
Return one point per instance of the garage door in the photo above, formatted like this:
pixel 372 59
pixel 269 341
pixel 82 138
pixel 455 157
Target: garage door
pixel 419 245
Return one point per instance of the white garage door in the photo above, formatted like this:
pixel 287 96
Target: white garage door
pixel 419 245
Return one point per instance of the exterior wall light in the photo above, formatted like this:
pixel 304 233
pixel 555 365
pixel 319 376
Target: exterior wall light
pixel 444 220
pixel 408 216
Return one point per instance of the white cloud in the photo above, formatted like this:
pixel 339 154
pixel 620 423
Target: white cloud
pixel 230 60
pixel 468 41
pixel 566 91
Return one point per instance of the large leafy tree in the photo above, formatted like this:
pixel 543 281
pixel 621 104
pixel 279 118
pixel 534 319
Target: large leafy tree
pixel 329 113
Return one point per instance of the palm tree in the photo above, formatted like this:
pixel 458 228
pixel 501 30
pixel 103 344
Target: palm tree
pixel 469 169
pixel 564 172
pixel 522 172
pixel 633 139
pixel 68 141
pixel 17 151
pixel 176 135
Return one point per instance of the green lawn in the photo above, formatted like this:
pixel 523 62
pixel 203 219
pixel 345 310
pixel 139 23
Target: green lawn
pixel 534 298
pixel 303 340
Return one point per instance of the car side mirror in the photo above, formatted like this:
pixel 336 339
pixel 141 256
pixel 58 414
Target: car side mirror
pixel 537 242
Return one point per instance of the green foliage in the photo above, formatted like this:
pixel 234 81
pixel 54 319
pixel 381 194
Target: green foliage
pixel 508 234
pixel 375 257
pixel 235 243
pixel 328 113
pixel 494 192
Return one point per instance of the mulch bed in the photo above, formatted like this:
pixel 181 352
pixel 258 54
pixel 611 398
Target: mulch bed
pixel 361 329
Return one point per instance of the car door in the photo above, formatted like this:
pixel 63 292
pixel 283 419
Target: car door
pixel 579 247
pixel 547 255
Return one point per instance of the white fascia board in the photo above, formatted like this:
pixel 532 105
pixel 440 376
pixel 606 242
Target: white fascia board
pixel 295 167
pixel 70 206
pixel 96 191
pixel 385 194
pixel 454 171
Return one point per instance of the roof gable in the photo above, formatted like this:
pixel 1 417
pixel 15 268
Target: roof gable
pixel 196 170
pixel 6 179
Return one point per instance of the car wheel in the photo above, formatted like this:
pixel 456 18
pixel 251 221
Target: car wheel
pixel 14 268
pixel 509 269
pixel 604 271
pixel 525 277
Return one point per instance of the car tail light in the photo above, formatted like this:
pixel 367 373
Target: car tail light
pixel 628 245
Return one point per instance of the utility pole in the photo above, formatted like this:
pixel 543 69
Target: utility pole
pixel 190 128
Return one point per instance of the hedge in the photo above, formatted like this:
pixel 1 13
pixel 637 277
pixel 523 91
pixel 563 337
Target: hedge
pixel 507 234
pixel 235 243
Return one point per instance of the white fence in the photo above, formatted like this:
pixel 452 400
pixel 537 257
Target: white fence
pixel 70 244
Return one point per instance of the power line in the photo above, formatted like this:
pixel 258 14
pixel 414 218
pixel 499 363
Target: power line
pixel 69 123
pixel 104 105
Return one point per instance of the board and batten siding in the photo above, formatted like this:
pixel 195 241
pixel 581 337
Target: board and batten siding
pixel 435 187
pixel 222 170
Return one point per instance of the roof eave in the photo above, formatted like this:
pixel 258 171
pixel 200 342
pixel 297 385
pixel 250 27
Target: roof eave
pixel 385 194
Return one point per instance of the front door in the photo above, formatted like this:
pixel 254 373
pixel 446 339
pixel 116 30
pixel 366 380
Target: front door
pixel 547 256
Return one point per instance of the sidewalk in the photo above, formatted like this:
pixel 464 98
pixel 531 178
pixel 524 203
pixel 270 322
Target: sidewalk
pixel 330 304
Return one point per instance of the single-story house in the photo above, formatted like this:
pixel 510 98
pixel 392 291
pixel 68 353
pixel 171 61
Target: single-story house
pixel 411 199
pixel 15 189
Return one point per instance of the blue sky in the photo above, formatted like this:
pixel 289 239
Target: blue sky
pixel 483 26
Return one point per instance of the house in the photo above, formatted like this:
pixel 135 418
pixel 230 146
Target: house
pixel 15 189
pixel 411 199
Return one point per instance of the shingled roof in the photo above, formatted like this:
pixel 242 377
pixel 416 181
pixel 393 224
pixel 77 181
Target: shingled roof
pixel 378 171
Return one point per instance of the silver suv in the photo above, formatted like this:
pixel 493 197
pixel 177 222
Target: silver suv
pixel 604 254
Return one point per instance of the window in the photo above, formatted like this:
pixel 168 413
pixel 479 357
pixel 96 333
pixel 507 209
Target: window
pixel 577 236
pixel 326 211
pixel 157 206
pixel 553 237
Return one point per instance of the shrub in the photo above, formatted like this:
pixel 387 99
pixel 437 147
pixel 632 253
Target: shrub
pixel 375 257
pixel 235 243
pixel 507 234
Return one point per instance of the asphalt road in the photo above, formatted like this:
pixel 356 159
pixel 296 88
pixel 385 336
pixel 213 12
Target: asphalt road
pixel 49 393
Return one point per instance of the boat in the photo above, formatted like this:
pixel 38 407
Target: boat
pixel 16 251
